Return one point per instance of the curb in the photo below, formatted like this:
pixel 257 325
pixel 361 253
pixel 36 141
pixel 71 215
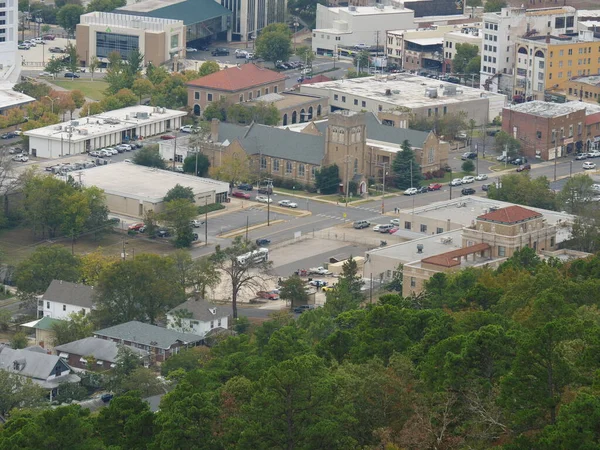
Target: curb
pixel 239 231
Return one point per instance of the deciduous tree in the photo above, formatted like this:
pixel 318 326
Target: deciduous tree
pixel 197 163
pixel 149 156
pixel 208 67
pixel 274 42
pixel 45 264
pixel 293 290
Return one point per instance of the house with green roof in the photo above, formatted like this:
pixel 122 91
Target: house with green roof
pixel 44 331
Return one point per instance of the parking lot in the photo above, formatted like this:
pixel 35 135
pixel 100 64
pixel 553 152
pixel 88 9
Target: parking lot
pixel 250 215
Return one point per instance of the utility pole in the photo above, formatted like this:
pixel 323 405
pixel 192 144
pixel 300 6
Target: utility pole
pixel 377 48
pixel 196 172
pixel 247 223
pixel 384 165
pixel 411 175
pixel 175 153
pixel 205 221
pixel 269 182
pixel 347 184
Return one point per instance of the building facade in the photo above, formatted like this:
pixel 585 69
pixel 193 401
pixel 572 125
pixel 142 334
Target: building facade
pixel 9 35
pixel 101 353
pixel 63 298
pixel 197 316
pixel 500 32
pixel 546 130
pixel 249 17
pixel 404 48
pixel 236 84
pixel 466 35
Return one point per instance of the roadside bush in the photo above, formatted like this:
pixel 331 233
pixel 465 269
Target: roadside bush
pixel 210 208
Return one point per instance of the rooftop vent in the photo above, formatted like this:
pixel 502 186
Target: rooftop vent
pixel 419 248
pixel 431 92
pixel 388 92
pixel 449 90
pixel 351 8
pixel 380 6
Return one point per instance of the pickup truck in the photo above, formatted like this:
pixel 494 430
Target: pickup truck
pixel 318 271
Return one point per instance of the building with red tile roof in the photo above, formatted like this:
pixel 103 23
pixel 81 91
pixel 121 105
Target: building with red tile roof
pixel 510 215
pixel 236 84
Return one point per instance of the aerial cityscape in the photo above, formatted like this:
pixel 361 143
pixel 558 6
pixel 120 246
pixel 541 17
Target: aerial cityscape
pixel 299 224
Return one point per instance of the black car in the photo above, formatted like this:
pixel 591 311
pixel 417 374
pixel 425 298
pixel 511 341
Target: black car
pixel 485 187
pixel 245 187
pixel 262 242
pixel 162 233
pixel 467 191
pixel 468 155
pixel 71 75
pixel 300 309
pixel 220 52
pixel 8 135
pixel 106 397
pixel 422 190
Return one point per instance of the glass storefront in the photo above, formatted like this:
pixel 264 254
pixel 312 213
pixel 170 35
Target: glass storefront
pixel 106 43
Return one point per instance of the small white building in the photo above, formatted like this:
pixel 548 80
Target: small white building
pixel 102 130
pixel 63 298
pixel 345 27
pixel 197 317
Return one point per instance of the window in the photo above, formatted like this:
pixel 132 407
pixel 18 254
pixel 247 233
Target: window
pixel 47 305
pixel 407 225
pixel 439 230
pixel 570 52
pixel 209 97
pixel 301 170
pixel 501 251
pixel 212 324
pixel 355 102
pixel 64 307
pixel 552 241
pixel 538 134
pixel 174 40
pixel 363 104
pixel 219 322
pixel 275 89
pixel 275 165
pixel 343 99
pixel 335 96
pixel 266 91
pixel 249 95
pixel 560 64
pixel 561 53
pixel 570 130
pixel 263 163
pixel 258 93
pixel 430 155
pixel 106 43
pixel 196 95
pixel 241 98
pixel 540 86
pixel 423 228
pixel 429 112
pixel 313 172
pixel 413 282
pixel 288 167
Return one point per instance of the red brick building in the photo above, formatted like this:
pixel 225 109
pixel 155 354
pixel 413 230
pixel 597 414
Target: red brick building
pixel 546 130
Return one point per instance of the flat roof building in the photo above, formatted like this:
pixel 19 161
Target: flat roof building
pixel 132 190
pixel 102 130
pixel 423 96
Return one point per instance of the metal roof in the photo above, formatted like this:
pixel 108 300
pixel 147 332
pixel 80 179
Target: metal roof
pixel 144 333
pixel 190 11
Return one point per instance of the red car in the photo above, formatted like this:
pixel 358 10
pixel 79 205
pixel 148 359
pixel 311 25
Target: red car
pixel 393 230
pixel 434 187
pixel 136 226
pixel 240 194
pixel 524 167
pixel 267 295
pixel 167 137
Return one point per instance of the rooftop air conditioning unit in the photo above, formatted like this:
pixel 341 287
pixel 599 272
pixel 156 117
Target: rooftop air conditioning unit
pixel 388 92
pixel 75 123
pixel 351 8
pixel 380 6
pixel 431 92
pixel 126 116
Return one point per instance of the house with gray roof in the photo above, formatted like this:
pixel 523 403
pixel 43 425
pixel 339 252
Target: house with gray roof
pixel 63 298
pixel 160 342
pixel 49 371
pixel 103 352
pixel 198 316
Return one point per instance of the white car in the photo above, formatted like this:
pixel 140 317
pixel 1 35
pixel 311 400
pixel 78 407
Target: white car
pixel 306 71
pixel 594 154
pixel 125 147
pixel 395 222
pixel 113 151
pixel 588 165
pixel 187 129
pixel 500 158
pixel 263 199
pixel 45 74
pixel 37 40
pixel 456 182
pixel 196 223
pixel 127 161
pixel 104 152
pixel 410 191
pixel 481 177
pixel 191 49
pixel 468 179
pixel 596 187
pixel 32 43
pixel 250 56
pixel 376 228
pixel 94 153
pixel 21 158
pixel 287 204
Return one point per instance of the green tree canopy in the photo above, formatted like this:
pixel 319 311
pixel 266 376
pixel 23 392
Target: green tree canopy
pixel 407 173
pixel 274 42
pixel 463 56
pixel 293 290
pixel 208 67
pixel 327 179
pixel 149 156
pixel 68 17
pixel 520 188
pixel 197 163
pixel 45 264
pixel 180 192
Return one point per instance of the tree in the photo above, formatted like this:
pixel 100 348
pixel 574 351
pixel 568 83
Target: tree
pixel 577 194
pixel 361 60
pixel 585 233
pixel 208 67
pixel 450 124
pixel 494 5
pixel 45 264
pixel 407 173
pixel 505 142
pixel 54 66
pixel 78 98
pixel 327 179
pixel 142 380
pixel 143 289
pixel 306 55
pixel 5 319
pixel 149 156
pixel 216 110
pixel 17 391
pixel 180 192
pixel 72 58
pixel 468 166
pixel 463 56
pixel 293 290
pixel 197 163
pixel 19 340
pixel 93 65
pixel 234 167
pixel 203 275
pixel 76 210
pixel 142 87
pixel 68 17
pixel 93 264
pixel 274 43
pixel 178 214
pixel 78 326
pixel 248 273
pixel 521 189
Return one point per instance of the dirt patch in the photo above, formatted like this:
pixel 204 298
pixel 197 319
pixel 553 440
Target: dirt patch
pixel 19 243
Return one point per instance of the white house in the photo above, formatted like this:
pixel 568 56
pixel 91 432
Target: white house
pixel 63 298
pixel 197 317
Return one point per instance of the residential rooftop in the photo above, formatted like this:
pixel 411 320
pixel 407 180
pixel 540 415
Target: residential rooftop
pixel 144 333
pixel 593 80
pixel 105 123
pixel 75 294
pixel 145 183
pixel 100 349
pixel 401 89
pixel 547 109
pixel 202 310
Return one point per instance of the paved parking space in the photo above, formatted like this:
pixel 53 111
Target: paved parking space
pixel 251 215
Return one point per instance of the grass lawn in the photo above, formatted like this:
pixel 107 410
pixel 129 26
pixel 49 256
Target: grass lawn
pixel 92 89
pixel 295 192
pixel 340 198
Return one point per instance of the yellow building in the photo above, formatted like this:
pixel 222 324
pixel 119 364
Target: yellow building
pixel 547 62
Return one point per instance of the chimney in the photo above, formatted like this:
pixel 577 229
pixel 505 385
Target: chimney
pixel 547 38
pixel 214 130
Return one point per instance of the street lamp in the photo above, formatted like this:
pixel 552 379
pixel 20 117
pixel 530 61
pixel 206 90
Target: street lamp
pixel 384 165
pixel 52 100
pixel 296 24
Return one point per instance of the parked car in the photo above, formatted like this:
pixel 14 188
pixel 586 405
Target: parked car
pixel 166 137
pixel 71 75
pixel 467 191
pixel 21 158
pixel 593 154
pixel 55 50
pixel 410 191
pixel 191 49
pixel 485 187
pixel 481 177
pixel 395 222
pixel 468 179
pixel 196 223
pixel 468 155
pixel 385 228
pixel 188 129
pixel 581 156
pixel 265 190
pixel 106 397
pixel 268 295
pixel 318 283
pixel 263 199
pixel 360 224
pixel 287 204
pixel 524 167
pixel 104 152
pixel 240 194
pixel 588 165
pixel 302 308
pixel 245 186
pixel 500 158
pixel 241 53
pixel 94 153
pixel 163 233
pixel 220 52
pixel 8 135
pixel 377 227
pixel 456 182
pixel 125 147
pixel 24 46
pixel 135 226
pixel 422 190
pixel 362 47
pixel 393 230
pixel 434 187
pixel 261 242
pixel 113 151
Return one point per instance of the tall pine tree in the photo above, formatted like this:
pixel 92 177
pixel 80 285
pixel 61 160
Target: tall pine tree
pixel 401 166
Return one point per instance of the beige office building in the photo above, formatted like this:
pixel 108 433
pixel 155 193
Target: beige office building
pixel 159 40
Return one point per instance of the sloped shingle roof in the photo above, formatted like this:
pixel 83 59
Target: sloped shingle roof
pixel 144 333
pixel 70 293
pixel 201 310
pixel 101 349
pixel 34 364
pixel 237 78
pixel 510 215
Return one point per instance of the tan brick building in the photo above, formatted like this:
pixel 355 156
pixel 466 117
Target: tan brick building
pixel 237 84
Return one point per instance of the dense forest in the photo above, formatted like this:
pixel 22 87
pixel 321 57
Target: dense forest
pixel 505 358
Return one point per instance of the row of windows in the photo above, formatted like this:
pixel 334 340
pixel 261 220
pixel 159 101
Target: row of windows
pixel 436 111
pixel 491 59
pixel 491 26
pixel 488 69
pixel 337 38
pixel 490 37
pixel 210 97
pixel 288 167
pixel 491 48
pixel 583 93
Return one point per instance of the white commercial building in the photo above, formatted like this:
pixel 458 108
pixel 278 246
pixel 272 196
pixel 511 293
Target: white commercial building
pixel 396 43
pixel 464 35
pixel 423 96
pixel 346 27
pixel 102 130
pixel 500 32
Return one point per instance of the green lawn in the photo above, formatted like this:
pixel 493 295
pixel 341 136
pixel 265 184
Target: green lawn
pixel 92 89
